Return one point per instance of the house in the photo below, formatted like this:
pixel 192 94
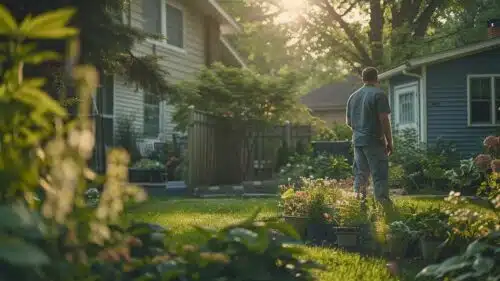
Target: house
pixel 453 94
pixel 329 102
pixel 195 37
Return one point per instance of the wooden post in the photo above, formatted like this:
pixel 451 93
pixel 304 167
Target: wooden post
pixel 191 156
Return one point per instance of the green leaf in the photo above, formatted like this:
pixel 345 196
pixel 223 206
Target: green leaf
pixel 7 22
pixel 46 22
pixel 284 228
pixel 18 216
pixel 40 57
pixel 35 97
pixel 58 33
pixel 483 265
pixel 19 252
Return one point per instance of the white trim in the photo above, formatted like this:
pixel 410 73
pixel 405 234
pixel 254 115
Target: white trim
pixel 401 89
pixel 493 109
pixel 235 26
pixel 450 54
pixel 163 17
pixel 233 52
pixel 423 105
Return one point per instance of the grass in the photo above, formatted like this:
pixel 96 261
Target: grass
pixel 179 215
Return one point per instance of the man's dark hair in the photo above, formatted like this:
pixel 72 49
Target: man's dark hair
pixel 370 74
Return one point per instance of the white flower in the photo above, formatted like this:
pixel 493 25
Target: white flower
pixel 282 171
pixel 311 177
pixel 310 168
pixel 289 179
pixel 289 165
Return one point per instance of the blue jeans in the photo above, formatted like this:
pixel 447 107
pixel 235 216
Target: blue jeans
pixel 371 159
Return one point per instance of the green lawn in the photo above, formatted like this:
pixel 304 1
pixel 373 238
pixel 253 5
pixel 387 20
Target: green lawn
pixel 179 215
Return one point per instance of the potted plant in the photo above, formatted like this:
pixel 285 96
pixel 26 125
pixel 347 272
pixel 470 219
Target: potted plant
pixel 351 218
pixel 147 171
pixel 295 209
pixel 433 229
pixel 398 238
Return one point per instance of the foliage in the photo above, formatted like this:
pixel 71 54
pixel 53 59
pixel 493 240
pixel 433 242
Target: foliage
pixel 466 176
pixel 315 199
pixel 396 176
pixel 481 259
pixel 61 237
pixel 93 196
pixel 148 164
pixel 107 43
pixel 337 132
pixel 321 166
pixel 479 262
pixel 431 223
pixel 239 95
pixel 424 167
pixel 128 137
pixel 351 212
pixel 399 229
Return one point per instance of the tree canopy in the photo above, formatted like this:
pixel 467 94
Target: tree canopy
pixel 105 41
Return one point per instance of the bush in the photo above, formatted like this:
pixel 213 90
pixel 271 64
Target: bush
pixel 321 166
pixel 424 167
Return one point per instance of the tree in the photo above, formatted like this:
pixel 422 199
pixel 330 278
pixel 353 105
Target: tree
pixel 105 41
pixel 241 95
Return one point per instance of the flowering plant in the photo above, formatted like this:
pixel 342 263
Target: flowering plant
pixel 315 199
pixel 399 229
pixel 149 164
pixel 321 166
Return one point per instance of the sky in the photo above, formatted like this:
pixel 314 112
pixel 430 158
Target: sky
pixel 293 8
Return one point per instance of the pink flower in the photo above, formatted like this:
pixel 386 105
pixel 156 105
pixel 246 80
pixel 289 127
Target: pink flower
pixel 491 142
pixel 483 161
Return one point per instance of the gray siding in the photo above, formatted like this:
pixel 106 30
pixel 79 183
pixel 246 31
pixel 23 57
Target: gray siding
pixel 447 100
pixel 180 65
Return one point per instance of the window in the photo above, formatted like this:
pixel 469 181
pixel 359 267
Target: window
pixel 164 19
pixel 405 107
pixel 104 105
pixel 151 115
pixel 483 99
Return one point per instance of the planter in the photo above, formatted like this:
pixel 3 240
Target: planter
pixel 397 246
pixel 320 234
pixel 430 248
pixel 146 176
pixel 298 223
pixel 347 237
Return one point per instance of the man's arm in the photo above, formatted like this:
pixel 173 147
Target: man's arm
pixel 384 112
pixel 348 114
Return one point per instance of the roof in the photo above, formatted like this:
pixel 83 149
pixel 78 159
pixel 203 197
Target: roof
pixel 442 56
pixel 332 95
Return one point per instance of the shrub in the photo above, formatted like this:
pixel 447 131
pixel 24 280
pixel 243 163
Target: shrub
pixel 128 137
pixel 466 177
pixel 314 199
pixel 321 166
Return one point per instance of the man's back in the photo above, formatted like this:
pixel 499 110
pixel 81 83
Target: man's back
pixel 363 109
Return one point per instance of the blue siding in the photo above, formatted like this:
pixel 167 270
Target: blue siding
pixel 447 100
pixel 396 81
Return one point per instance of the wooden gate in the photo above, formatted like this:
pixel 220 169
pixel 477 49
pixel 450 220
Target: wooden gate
pixel 224 152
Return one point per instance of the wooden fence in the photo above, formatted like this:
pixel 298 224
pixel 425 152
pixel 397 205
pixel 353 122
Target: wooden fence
pixel 223 152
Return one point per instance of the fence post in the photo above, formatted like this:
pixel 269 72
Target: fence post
pixel 191 150
pixel 288 133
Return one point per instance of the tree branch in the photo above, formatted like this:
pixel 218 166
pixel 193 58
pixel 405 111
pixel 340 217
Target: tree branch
pixel 367 60
pixel 423 21
pixel 349 9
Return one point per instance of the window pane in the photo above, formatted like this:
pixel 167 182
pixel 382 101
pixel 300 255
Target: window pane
pixel 480 111
pixel 406 108
pixel 151 115
pixel 151 15
pixel 175 28
pixel 480 88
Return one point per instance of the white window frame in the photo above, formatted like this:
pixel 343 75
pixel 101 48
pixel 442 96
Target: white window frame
pixel 494 110
pixel 404 89
pixel 160 115
pixel 163 41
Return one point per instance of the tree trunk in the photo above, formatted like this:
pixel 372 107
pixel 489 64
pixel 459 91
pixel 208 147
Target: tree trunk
pixel 376 30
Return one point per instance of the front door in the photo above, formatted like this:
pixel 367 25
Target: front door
pixel 406 110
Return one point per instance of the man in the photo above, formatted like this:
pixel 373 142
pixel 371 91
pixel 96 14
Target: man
pixel 368 116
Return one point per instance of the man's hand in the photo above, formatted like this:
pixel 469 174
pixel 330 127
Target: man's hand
pixel 389 149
